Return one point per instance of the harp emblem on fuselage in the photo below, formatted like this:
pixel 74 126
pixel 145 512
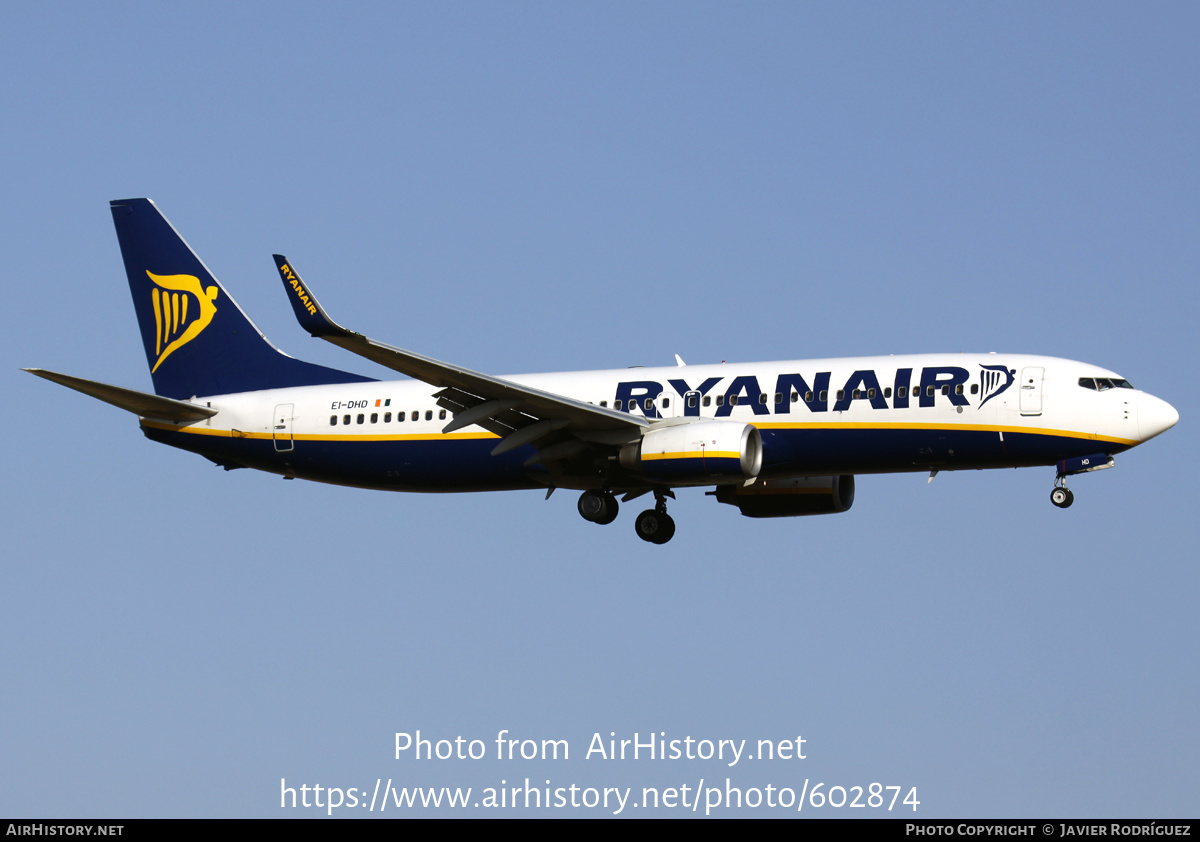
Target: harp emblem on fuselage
pixel 994 379
pixel 178 319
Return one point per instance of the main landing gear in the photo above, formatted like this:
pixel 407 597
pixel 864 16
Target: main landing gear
pixel 653 525
pixel 598 506
pixel 1061 496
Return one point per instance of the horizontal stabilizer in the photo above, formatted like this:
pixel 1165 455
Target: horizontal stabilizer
pixel 130 400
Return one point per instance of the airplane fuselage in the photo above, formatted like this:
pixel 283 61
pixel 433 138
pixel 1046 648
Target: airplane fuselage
pixel 854 415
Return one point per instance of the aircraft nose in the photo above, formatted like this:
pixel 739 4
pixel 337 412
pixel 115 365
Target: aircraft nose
pixel 1155 416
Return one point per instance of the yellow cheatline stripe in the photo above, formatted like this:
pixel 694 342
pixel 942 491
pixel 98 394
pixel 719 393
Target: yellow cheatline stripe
pixel 394 437
pixel 949 428
pixel 693 454
pixel 241 434
pixel 850 425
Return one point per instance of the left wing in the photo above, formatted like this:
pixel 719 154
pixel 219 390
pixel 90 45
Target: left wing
pixel 559 427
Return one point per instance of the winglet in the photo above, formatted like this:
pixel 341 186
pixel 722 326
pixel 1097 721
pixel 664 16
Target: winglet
pixel 309 313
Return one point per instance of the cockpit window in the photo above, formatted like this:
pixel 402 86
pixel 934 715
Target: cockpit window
pixel 1103 384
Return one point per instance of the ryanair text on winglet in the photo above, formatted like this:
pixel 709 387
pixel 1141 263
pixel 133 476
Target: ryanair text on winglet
pixel 296 285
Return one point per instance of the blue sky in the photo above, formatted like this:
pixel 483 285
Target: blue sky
pixel 530 187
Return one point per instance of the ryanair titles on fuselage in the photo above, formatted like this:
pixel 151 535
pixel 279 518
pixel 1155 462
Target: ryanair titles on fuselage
pixel 903 389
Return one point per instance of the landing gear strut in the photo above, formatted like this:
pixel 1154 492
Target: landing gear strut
pixel 598 506
pixel 1061 496
pixel 655 525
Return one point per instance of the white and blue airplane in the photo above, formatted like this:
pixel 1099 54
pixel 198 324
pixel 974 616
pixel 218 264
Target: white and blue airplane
pixel 775 439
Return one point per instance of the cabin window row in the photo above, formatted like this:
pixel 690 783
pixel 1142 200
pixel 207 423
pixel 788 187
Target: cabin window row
pixel 706 400
pixel 374 417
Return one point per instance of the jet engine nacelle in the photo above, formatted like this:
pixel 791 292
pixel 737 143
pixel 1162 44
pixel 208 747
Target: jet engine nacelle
pixel 699 453
pixel 790 497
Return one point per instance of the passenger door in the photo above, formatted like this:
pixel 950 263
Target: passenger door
pixel 281 427
pixel 1031 390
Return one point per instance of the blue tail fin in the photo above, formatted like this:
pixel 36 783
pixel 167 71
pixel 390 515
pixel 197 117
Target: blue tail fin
pixel 198 341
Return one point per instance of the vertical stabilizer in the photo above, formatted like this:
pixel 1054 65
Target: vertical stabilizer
pixel 197 340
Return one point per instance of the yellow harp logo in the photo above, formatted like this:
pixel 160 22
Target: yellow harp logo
pixel 172 296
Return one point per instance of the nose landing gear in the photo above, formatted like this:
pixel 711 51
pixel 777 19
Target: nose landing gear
pixel 1061 496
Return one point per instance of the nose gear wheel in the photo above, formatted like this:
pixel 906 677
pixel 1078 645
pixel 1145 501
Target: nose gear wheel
pixel 1062 497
